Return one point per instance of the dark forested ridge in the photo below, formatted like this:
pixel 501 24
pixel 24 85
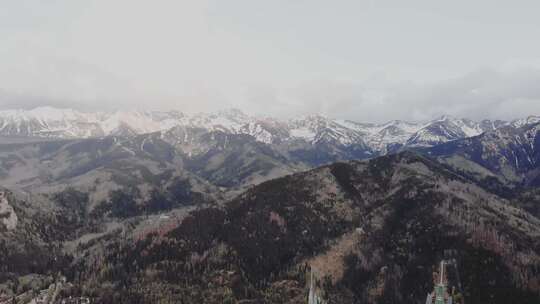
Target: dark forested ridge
pixel 373 232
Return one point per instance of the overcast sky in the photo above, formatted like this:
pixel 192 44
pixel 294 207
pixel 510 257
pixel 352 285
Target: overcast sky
pixel 364 60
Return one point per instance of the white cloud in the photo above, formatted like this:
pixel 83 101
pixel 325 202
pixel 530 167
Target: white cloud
pixel 487 93
pixel 274 57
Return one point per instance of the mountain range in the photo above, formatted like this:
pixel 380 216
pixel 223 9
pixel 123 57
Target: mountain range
pixel 148 207
pixel 56 123
pixel 47 148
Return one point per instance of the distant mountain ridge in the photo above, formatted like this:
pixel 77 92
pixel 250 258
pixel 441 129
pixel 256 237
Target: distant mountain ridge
pixel 508 152
pixel 55 123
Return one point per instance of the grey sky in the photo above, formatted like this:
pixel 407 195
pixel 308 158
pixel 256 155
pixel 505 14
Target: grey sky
pixel 363 60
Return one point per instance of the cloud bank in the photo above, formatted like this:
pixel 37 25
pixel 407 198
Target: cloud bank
pixel 360 60
pixel 483 94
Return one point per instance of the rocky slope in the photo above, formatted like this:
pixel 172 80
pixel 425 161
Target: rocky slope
pixel 30 243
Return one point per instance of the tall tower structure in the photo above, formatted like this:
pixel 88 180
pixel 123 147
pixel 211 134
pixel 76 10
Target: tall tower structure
pixel 440 288
pixel 440 293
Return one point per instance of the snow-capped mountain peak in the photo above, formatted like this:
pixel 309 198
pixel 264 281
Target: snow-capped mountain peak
pixel 68 123
pixel 52 122
pixel 526 121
